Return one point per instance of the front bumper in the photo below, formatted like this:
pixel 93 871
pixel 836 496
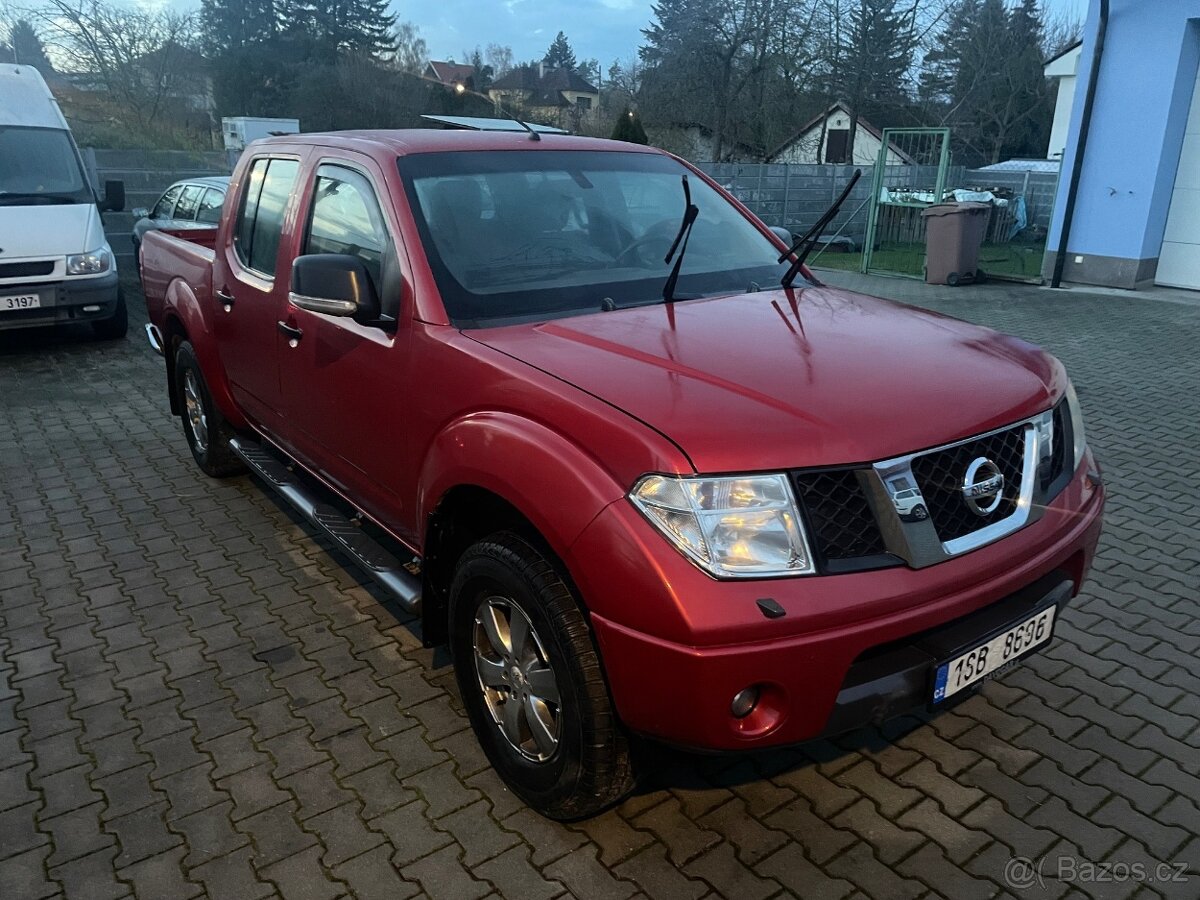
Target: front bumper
pixel 850 649
pixel 63 302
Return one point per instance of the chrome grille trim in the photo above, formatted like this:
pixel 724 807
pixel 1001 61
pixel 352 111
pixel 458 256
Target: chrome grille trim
pixel 917 542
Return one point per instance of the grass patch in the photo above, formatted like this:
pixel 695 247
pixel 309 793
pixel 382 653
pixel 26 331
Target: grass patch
pixel 1014 260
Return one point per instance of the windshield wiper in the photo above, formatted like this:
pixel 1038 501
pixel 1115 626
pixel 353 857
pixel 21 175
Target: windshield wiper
pixel 808 240
pixel 690 213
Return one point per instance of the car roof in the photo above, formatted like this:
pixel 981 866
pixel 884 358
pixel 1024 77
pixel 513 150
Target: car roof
pixel 401 142
pixel 217 181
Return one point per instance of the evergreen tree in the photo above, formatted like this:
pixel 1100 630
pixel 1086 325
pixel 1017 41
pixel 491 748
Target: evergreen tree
pixel 26 47
pixel 231 24
pixel 875 53
pixel 349 26
pixel 629 128
pixel 481 78
pixel 987 74
pixel 943 63
pixel 560 55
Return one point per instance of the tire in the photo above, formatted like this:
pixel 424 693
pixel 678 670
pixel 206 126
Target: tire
pixel 116 325
pixel 952 279
pixel 920 513
pixel 980 276
pixel 206 431
pixel 582 767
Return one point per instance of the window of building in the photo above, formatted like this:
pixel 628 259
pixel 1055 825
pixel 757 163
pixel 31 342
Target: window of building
pixel 836 144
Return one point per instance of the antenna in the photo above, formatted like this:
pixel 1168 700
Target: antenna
pixel 533 135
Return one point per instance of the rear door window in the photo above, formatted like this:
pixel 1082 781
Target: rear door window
pixel 166 203
pixel 260 221
pixel 189 201
pixel 210 207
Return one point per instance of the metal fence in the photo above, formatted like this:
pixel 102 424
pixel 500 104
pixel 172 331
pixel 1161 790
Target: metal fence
pixel 795 195
pixel 146 174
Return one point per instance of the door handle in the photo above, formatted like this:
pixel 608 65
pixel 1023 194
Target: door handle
pixel 293 334
pixel 226 300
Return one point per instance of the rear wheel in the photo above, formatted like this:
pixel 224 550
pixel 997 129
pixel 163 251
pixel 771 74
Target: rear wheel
pixel 116 325
pixel 952 279
pixel 531 681
pixel 207 432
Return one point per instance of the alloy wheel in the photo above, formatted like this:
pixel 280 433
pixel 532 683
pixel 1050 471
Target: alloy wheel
pixel 516 679
pixel 194 411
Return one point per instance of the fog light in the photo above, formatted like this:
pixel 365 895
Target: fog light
pixel 91 309
pixel 744 702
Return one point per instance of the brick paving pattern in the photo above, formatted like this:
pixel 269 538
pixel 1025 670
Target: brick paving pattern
pixel 198 697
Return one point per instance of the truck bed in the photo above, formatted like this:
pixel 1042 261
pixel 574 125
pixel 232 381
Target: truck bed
pixel 167 256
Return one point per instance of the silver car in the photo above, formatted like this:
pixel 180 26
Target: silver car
pixel 187 204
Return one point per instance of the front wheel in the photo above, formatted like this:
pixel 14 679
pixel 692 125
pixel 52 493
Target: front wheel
pixel 207 432
pixel 531 681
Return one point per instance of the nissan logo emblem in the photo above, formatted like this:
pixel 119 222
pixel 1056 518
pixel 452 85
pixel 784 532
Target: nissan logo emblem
pixel 983 487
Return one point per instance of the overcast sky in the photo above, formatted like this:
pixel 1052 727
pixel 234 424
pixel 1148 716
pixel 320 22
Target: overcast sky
pixel 605 29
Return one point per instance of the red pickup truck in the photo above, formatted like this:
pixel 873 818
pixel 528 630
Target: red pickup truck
pixel 676 500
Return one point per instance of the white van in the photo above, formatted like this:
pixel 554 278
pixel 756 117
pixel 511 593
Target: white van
pixel 55 264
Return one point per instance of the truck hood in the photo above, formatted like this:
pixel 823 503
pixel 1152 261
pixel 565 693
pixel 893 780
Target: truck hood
pixel 39 231
pixel 763 381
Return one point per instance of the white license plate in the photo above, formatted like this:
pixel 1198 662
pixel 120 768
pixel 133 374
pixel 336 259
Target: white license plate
pixel 20 301
pixel 980 662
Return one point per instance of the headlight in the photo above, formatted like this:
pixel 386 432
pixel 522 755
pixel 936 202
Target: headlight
pixel 739 527
pixel 1076 426
pixel 89 263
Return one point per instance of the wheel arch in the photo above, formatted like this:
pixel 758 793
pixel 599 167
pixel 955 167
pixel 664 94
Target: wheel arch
pixel 464 515
pixel 184 319
pixel 498 471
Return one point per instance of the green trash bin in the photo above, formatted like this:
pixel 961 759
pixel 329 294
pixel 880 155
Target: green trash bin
pixel 954 233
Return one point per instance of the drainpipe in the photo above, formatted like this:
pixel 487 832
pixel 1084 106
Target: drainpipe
pixel 1085 123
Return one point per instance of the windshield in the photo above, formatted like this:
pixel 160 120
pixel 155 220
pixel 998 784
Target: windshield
pixel 528 235
pixel 39 166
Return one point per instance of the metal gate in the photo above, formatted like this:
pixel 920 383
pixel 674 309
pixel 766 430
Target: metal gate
pixel 910 175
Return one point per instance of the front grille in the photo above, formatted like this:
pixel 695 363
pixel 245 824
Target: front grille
pixel 940 475
pixel 26 269
pixel 839 518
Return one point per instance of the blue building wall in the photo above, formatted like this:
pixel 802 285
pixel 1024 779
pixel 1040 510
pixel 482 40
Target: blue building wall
pixel 1144 91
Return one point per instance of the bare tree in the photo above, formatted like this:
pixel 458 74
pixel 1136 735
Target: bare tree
pixel 1060 30
pixel 500 58
pixel 408 50
pixel 136 56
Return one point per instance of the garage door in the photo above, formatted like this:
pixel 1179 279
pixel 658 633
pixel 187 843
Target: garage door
pixel 1179 262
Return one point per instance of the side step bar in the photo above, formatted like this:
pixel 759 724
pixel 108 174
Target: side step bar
pixel 379 562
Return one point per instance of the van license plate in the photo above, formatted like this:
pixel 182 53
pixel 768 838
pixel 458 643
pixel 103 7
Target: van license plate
pixel 980 662
pixel 20 301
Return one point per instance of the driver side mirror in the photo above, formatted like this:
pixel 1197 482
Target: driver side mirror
pixel 783 234
pixel 114 197
pixel 334 284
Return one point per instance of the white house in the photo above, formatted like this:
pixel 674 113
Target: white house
pixel 1063 68
pixel 825 139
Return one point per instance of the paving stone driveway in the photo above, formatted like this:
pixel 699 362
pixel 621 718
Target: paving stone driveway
pixel 196 697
